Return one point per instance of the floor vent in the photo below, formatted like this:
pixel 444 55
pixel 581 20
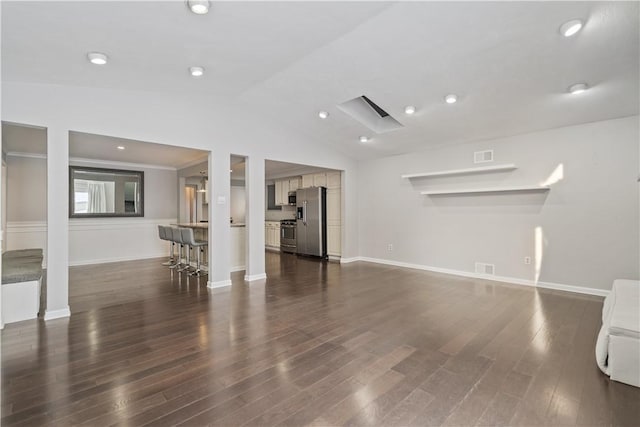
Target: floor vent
pixel 483 156
pixel 482 268
pixel 370 114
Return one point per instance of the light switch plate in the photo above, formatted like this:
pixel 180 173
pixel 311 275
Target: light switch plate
pixel 222 200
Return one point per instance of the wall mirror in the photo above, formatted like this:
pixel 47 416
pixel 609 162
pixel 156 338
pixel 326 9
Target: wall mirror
pixel 97 192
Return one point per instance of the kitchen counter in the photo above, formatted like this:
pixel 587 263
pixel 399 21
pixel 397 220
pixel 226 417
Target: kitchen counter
pixel 202 225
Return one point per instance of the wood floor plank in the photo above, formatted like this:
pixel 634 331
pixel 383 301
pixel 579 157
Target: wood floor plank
pixel 358 344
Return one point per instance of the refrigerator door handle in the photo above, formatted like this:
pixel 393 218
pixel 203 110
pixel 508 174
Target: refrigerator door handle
pixel 304 212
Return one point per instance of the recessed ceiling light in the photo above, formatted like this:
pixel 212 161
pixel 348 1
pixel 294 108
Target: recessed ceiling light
pixel 120 147
pixel 578 88
pixel 97 58
pixel 323 114
pixel 364 139
pixel 196 71
pixel 569 28
pixel 451 98
pixel 199 7
pixel 409 109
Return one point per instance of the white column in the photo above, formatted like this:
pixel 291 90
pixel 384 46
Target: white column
pixel 219 220
pixel 254 193
pixel 57 224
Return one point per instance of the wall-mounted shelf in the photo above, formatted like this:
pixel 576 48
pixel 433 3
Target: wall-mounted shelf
pixel 530 188
pixel 481 169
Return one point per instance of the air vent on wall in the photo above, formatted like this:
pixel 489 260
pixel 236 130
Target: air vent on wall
pixel 370 114
pixel 483 156
pixel 483 268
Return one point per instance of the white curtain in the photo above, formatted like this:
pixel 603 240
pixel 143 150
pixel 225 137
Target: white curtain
pixel 97 202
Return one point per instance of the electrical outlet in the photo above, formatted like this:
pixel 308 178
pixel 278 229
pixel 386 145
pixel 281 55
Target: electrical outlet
pixel 527 260
pixel 390 247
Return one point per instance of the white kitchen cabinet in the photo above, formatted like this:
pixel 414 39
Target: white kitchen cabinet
pixel 334 180
pixel 334 238
pixel 282 192
pixel 272 234
pixel 334 222
pixel 294 183
pixel 334 211
pixel 320 180
pixel 307 181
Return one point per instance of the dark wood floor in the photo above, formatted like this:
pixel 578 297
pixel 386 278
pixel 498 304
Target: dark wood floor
pixel 318 344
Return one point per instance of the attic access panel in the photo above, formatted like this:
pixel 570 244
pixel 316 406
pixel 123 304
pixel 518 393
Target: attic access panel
pixel 370 114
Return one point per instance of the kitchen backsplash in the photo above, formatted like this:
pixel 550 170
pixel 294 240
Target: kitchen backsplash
pixel 287 212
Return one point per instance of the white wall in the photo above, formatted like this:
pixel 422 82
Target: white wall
pixel 589 219
pixel 90 240
pixel 26 189
pixel 238 204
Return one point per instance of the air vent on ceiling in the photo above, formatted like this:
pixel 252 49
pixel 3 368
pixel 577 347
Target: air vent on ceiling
pixel 483 268
pixel 375 106
pixel 483 156
pixel 370 114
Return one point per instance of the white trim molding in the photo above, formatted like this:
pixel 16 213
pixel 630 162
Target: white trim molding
pixel 350 260
pixel 117 164
pixel 219 284
pixel 57 314
pixel 26 227
pixel 255 277
pixel 27 155
pixel 237 268
pixel 508 280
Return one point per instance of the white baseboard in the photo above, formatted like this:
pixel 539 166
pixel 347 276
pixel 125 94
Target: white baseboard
pixel 119 259
pixel 237 268
pixel 254 277
pixel 57 314
pixel 511 280
pixel 350 260
pixel 272 248
pixel 219 284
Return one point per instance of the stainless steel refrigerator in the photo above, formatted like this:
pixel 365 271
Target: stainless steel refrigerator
pixel 311 221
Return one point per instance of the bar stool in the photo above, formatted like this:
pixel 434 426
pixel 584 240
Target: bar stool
pixel 177 237
pixel 164 233
pixel 189 239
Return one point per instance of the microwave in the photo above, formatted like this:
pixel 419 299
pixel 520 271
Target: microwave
pixel 292 198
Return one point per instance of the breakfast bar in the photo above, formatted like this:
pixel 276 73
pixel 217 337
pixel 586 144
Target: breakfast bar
pixel 237 254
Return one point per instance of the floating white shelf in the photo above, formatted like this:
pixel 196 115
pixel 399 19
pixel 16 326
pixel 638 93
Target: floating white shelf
pixel 529 188
pixel 468 171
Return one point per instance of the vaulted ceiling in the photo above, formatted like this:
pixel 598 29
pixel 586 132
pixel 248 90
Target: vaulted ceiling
pixel 506 61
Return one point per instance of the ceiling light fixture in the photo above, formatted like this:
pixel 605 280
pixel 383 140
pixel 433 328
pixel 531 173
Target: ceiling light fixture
pixel 364 139
pixel 120 147
pixel 199 7
pixel 97 58
pixel 578 88
pixel 570 28
pixel 196 71
pixel 451 99
pixel 323 114
pixel 409 109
